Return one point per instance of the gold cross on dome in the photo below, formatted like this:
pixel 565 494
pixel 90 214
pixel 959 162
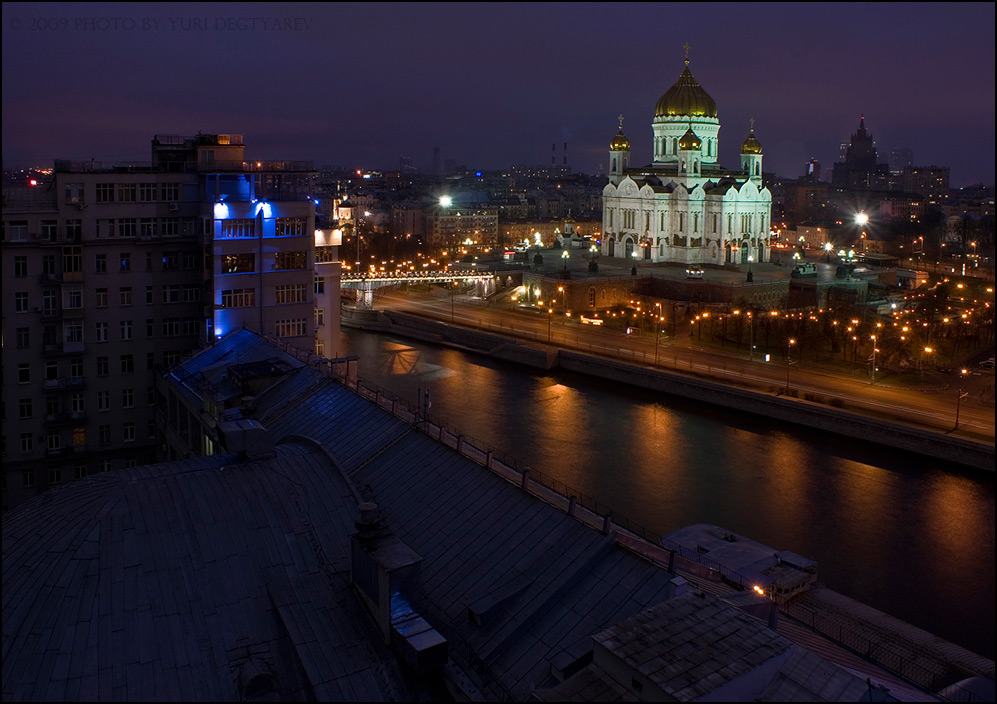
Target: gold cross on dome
pixel 751 120
pixel 620 116
pixel 686 47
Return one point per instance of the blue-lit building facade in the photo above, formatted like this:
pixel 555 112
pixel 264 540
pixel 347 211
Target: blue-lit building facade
pixel 115 271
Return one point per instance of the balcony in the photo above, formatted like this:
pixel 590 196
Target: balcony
pixel 50 278
pixel 70 313
pixel 55 349
pixel 72 277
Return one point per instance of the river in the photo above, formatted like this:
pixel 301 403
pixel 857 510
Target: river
pixel 911 536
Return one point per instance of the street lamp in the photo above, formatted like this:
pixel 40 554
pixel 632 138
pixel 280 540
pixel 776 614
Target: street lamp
pixel 927 350
pixel 960 395
pixel 828 248
pixel 565 255
pixel 657 333
pixel 564 305
pixel 550 316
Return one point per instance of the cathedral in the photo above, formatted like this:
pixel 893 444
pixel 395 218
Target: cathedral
pixel 684 207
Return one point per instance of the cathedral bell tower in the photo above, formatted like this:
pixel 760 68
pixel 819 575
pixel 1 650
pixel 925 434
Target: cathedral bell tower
pixel 751 157
pixel 619 156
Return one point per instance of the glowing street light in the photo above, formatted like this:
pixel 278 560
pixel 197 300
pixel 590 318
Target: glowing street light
pixel 446 201
pixel 862 219
pixel 789 360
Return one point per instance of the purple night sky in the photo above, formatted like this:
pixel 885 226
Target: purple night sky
pixel 492 85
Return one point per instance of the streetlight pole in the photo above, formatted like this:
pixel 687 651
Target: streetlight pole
pixel 550 316
pixel 873 372
pixel 657 333
pixel 751 335
pixel 789 361
pixel 960 395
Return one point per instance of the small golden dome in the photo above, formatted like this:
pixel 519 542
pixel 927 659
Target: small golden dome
pixel 620 143
pixel 690 140
pixel 686 97
pixel 751 145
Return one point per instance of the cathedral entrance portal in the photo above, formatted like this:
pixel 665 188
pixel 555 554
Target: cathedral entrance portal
pixel 629 248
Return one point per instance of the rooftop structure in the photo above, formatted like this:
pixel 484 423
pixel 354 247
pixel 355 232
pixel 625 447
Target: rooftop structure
pixel 250 569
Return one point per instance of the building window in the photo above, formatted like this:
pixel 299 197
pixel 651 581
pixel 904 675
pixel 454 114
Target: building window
pixel 105 192
pixel 126 192
pixel 103 400
pixel 128 432
pixel 125 295
pixel 104 435
pixel 291 328
pixel 100 263
pixel 50 230
pixel 319 317
pixel 24 373
pixel 319 285
pixel 81 471
pixel 21 302
pixel 290 227
pixel 290 260
pixel 102 298
pixel 150 329
pixel 73 332
pixel 23 337
pixel 290 293
pixel 24 408
pixel 28 476
pixel 238 227
pixel 127 364
pixel 105 227
pixel 20 265
pixel 147 192
pixel 147 227
pixel 101 332
pixel 238 263
pixel 238 298
pixel 102 366
pixel 74 193
pixel 126 227
pixel 51 370
pixel 126 261
pixel 27 442
pixel 79 402
pixel 128 398
pixel 48 264
pixel 171 191
pixel 126 330
pixel 52 405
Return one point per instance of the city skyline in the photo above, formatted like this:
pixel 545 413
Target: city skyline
pixel 494 85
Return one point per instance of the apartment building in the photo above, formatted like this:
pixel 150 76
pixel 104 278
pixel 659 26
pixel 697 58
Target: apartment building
pixel 116 271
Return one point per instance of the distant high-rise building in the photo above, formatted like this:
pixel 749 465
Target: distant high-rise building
pixel 811 171
pixel 900 159
pixel 406 165
pixel 859 169
pixel 929 182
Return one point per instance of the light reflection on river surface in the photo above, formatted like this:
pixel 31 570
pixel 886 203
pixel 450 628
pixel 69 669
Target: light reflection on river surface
pixel 911 536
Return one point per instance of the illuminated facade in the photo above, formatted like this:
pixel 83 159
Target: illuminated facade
pixel 684 207
pixel 117 270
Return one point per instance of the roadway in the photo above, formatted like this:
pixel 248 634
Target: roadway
pixel 932 409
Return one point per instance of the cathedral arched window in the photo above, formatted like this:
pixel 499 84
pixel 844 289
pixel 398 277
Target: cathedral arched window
pixel 614 163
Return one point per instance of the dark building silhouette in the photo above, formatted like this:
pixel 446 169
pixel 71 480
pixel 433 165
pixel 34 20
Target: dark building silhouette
pixel 859 169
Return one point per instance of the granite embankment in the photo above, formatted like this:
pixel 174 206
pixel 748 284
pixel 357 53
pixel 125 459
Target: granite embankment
pixel 812 412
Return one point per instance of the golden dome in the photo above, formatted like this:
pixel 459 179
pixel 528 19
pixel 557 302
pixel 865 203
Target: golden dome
pixel 751 145
pixel 690 140
pixel 620 143
pixel 686 97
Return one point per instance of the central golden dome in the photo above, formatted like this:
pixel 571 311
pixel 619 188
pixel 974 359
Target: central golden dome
pixel 686 98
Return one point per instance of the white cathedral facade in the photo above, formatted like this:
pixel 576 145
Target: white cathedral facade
pixel 684 207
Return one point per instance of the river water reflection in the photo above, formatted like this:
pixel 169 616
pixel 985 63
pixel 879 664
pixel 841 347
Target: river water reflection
pixel 911 536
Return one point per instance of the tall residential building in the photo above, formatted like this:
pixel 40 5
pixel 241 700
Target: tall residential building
pixel 118 270
pixel 929 182
pixel 859 168
pixel 685 207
